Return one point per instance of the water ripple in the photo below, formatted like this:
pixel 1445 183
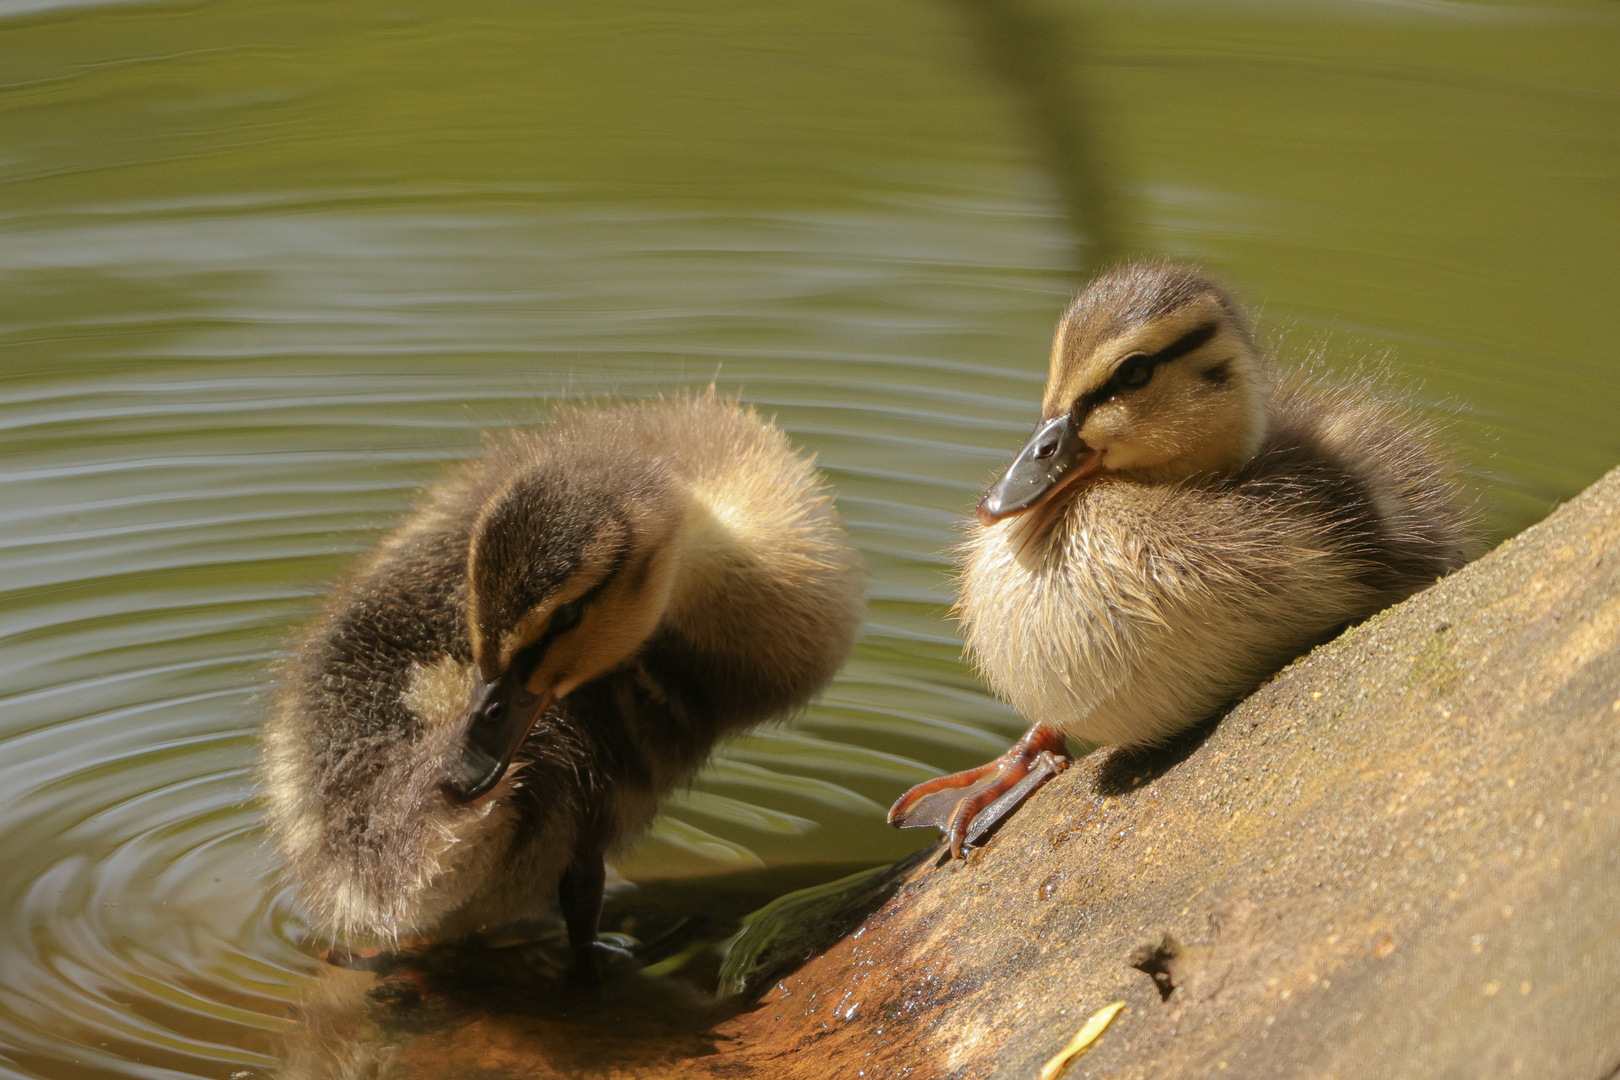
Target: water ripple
pixel 164 533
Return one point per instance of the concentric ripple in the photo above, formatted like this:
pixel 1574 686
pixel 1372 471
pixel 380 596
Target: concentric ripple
pixel 166 521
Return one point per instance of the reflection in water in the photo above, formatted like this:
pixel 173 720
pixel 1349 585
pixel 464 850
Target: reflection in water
pixel 496 1012
pixel 507 1008
pixel 266 266
pixel 169 522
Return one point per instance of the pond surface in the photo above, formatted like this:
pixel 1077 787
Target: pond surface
pixel 266 266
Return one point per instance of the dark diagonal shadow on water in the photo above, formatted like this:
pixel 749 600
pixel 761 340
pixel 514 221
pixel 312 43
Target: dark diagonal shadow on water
pixel 1039 59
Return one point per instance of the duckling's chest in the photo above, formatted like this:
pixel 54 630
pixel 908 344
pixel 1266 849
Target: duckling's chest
pixel 1062 622
pixel 1095 562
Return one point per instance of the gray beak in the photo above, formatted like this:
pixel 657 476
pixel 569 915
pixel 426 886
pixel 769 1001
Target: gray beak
pixel 1054 455
pixel 498 719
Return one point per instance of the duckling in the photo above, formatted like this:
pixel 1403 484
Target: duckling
pixel 1181 524
pixel 501 693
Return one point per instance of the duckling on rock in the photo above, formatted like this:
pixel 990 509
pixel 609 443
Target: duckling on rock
pixel 512 679
pixel 1181 524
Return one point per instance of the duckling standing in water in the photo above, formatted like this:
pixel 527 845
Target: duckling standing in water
pixel 557 637
pixel 1180 525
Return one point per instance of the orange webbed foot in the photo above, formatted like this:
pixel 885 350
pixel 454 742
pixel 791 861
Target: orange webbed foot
pixel 966 805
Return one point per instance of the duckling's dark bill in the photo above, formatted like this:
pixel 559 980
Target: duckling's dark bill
pixel 502 713
pixel 1054 456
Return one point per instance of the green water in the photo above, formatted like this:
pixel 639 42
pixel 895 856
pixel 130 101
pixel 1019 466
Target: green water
pixel 266 266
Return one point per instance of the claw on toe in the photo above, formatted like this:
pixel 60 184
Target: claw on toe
pixel 967 805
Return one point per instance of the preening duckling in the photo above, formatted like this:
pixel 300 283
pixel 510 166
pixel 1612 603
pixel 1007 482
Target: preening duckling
pixel 1179 526
pixel 553 640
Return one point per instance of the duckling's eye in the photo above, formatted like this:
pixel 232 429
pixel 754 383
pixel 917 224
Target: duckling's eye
pixel 565 618
pixel 1134 372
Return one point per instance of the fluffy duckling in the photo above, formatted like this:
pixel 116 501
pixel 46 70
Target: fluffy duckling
pixel 505 688
pixel 1180 525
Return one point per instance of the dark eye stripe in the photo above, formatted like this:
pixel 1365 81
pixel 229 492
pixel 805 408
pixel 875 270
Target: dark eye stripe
pixel 526 659
pixel 1184 344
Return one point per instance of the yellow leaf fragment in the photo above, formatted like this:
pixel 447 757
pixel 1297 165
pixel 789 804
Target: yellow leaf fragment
pixel 1089 1032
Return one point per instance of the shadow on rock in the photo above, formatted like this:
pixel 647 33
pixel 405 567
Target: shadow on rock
pixel 1123 771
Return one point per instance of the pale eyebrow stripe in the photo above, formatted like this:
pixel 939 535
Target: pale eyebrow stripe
pixel 532 653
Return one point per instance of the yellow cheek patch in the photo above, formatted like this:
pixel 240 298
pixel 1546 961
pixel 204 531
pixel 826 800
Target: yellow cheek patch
pixel 596 561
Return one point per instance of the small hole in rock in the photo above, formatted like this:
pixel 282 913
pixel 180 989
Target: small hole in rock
pixel 1157 961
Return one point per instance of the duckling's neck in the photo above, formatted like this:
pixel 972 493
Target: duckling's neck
pixel 1211 445
pixel 1039 534
pixel 1224 461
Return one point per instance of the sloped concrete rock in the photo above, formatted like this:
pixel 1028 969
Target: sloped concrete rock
pixel 1399 858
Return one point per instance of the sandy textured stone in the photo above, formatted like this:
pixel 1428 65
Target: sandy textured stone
pixel 1401 857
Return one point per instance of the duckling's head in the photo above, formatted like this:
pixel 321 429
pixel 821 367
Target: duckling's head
pixel 569 571
pixel 1155 378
